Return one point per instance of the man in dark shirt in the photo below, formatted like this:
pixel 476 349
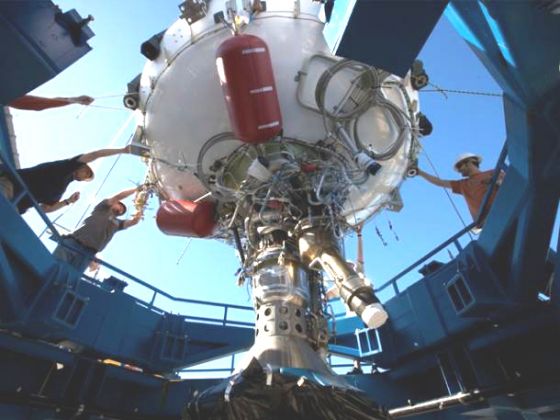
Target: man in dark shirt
pixel 96 231
pixel 47 182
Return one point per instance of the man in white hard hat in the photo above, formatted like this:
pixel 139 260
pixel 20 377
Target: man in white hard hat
pixel 473 186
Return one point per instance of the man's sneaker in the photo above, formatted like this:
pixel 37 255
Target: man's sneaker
pixel 374 316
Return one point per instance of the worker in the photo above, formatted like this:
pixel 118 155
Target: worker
pixel 80 247
pixel 47 182
pixel 357 368
pixel 473 186
pixel 39 103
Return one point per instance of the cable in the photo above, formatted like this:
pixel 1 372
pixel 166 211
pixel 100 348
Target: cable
pixel 368 77
pixel 111 143
pixel 113 108
pixel 114 95
pixel 365 92
pixel 463 92
pixel 184 251
pixel 218 138
pixel 447 192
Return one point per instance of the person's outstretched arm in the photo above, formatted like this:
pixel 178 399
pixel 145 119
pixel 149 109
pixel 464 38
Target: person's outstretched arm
pixel 133 221
pixel 38 103
pixel 91 156
pixel 47 208
pixel 122 195
pixel 434 179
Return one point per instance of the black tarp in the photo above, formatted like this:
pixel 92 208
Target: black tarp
pixel 253 394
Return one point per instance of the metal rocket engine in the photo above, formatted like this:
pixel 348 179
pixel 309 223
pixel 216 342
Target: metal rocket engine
pixel 261 137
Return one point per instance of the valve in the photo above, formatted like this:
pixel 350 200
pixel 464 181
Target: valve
pixel 131 100
pixel 418 76
pixel 424 124
pixel 412 170
pixel 366 163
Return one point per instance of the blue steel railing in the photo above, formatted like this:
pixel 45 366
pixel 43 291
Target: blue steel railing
pixel 7 168
pixel 453 240
pixel 230 370
pixel 158 292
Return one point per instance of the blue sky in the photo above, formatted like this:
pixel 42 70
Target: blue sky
pixel 206 271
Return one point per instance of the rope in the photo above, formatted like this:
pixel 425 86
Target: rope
pixel 184 251
pixel 446 192
pixel 112 95
pixel 462 92
pixel 111 143
pixel 109 107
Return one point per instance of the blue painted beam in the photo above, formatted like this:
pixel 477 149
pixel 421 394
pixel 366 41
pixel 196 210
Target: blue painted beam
pixel 38 41
pixel 31 378
pixel 519 227
pixel 383 33
pixel 6 148
pixel 516 41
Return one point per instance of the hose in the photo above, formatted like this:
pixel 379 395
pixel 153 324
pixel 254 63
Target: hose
pixel 225 193
pixel 398 117
pixel 367 95
pixel 367 77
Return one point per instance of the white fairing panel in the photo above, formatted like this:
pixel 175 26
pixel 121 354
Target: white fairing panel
pixel 182 105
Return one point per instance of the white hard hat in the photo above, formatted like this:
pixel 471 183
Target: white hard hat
pixel 465 156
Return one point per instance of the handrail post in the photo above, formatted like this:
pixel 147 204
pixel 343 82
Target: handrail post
pixel 457 244
pixel 153 299
pixel 226 307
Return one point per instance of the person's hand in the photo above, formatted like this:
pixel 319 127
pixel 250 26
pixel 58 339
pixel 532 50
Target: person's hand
pixel 93 266
pixel 74 197
pixel 82 100
pixel 135 219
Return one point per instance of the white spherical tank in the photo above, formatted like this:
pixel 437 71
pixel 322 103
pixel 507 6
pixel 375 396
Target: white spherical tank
pixel 340 119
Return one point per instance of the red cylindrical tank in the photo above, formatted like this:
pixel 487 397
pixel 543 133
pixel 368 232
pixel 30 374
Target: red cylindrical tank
pixel 186 218
pixel 247 79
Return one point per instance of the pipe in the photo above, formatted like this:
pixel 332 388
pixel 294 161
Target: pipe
pixel 437 404
pixel 238 243
pixel 475 395
pixel 317 245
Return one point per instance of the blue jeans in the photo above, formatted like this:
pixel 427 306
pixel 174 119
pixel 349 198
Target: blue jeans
pixel 78 260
